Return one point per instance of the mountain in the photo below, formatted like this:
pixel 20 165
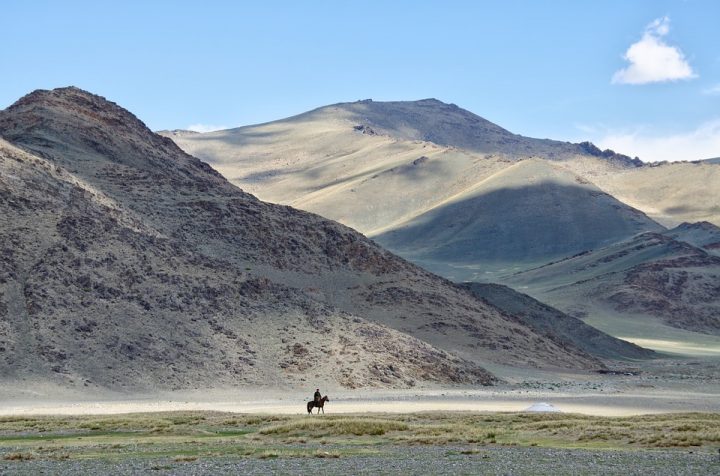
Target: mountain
pixel 652 277
pixel 92 296
pixel 129 263
pixel 702 234
pixel 385 168
pixel 523 216
pixel 334 154
pixel 547 319
pixel 430 120
pixel 670 192
pixel 472 201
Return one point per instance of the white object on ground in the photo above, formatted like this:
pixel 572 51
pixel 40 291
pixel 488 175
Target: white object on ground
pixel 542 407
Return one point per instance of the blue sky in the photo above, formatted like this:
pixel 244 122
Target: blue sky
pixel 559 69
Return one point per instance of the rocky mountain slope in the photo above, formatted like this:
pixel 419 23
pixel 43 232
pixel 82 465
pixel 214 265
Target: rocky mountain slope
pixel 653 275
pixel 90 295
pixel 544 318
pixel 128 262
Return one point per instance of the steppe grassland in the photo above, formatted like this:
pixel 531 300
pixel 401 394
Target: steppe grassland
pixel 187 436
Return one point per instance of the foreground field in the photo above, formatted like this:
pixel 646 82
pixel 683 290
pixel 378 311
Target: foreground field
pixel 202 442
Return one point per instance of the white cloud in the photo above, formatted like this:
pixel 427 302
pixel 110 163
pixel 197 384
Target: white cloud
pixel 712 90
pixel 205 127
pixel 700 143
pixel 652 60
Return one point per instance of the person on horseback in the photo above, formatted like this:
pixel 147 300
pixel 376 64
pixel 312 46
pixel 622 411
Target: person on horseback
pixel 317 402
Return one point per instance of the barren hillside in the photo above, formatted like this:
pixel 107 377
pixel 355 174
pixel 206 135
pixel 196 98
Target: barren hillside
pixel 133 263
pixel 387 168
pixel 524 216
pixel 469 200
pixel 652 275
pixel 544 318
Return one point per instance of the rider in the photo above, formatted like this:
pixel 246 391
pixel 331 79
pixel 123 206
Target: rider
pixel 317 395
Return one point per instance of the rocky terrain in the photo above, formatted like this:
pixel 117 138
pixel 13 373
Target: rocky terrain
pixel 652 274
pixel 91 296
pixel 546 319
pixel 127 263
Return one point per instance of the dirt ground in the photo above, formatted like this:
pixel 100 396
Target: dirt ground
pixel 660 386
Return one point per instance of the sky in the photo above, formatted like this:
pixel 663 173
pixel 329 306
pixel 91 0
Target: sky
pixel 639 76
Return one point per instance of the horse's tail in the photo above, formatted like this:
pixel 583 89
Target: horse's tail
pixel 310 406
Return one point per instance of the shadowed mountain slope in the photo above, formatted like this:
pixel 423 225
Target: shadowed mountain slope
pixel 261 290
pixel 526 215
pixel 703 235
pixel 469 200
pixel 544 318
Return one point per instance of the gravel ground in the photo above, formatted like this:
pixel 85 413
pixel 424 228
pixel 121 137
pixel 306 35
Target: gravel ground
pixel 408 461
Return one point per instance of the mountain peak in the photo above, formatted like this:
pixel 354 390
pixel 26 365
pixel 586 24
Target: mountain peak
pixel 699 225
pixel 433 101
pixel 71 99
pixel 93 129
pixel 429 120
pixel 448 125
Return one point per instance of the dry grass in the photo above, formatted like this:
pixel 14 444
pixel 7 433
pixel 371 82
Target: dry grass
pixel 188 436
pixel 185 459
pixel 335 426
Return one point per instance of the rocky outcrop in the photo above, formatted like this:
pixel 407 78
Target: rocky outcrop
pixel 593 150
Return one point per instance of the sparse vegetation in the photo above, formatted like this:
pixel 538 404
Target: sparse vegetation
pixel 337 426
pixel 191 436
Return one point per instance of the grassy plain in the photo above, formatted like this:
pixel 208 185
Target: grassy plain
pixel 190 436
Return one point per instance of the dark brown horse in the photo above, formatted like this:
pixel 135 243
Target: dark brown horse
pixel 320 404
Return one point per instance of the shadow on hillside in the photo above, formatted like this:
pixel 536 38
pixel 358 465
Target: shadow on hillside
pixel 542 221
pixel 414 170
pixel 242 136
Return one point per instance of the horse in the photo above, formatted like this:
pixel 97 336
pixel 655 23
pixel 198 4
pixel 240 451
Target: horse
pixel 320 404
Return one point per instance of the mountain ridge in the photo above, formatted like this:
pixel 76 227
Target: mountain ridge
pixel 328 276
